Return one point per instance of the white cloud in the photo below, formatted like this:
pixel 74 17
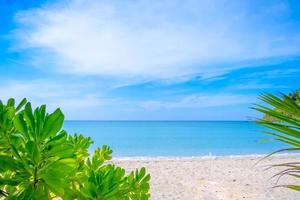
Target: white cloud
pixel 200 101
pixel 78 103
pixel 72 98
pixel 153 39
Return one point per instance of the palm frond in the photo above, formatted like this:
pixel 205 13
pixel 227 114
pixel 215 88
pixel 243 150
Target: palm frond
pixel 285 127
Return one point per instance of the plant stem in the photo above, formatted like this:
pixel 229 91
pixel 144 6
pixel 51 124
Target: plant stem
pixel 35 181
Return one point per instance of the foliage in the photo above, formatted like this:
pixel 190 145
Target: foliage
pixel 295 96
pixel 285 128
pixel 39 160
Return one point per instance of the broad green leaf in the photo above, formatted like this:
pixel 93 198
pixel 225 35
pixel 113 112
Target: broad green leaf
pixel 33 151
pixel 30 121
pixel 53 123
pixel 21 126
pixel 60 138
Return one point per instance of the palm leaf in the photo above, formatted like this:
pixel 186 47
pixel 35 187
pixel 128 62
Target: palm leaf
pixel 285 128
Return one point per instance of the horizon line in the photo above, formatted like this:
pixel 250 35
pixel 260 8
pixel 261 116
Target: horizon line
pixel 138 120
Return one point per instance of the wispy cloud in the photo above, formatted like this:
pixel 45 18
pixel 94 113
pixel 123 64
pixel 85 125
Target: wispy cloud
pixel 200 101
pixel 275 73
pixel 254 85
pixel 72 98
pixel 146 59
pixel 77 103
pixel 154 39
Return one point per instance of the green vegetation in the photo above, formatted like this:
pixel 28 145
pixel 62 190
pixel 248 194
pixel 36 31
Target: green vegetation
pixel 295 96
pixel 285 110
pixel 38 160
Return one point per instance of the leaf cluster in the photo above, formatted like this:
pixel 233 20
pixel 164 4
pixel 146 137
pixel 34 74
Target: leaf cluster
pixel 39 160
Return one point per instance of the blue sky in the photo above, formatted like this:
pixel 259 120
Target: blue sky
pixel 149 60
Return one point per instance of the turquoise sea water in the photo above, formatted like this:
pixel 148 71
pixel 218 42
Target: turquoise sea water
pixel 175 138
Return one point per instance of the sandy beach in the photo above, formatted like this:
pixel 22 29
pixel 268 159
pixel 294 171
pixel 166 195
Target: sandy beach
pixel 213 178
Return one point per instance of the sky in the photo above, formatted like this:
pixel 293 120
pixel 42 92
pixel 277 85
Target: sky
pixel 149 60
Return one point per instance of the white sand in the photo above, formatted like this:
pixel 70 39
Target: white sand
pixel 227 178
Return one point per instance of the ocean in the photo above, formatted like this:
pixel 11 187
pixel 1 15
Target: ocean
pixel 176 138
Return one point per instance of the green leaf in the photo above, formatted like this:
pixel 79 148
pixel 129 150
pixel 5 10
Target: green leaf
pixel 8 181
pixel 21 126
pixel 21 104
pixel 63 150
pixel 61 137
pixel 33 151
pixel 7 163
pixel 294 187
pixel 53 123
pixel 11 102
pixel 285 125
pixel 30 121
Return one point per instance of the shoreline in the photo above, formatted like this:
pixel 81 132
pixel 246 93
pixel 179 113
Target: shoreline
pixel 150 158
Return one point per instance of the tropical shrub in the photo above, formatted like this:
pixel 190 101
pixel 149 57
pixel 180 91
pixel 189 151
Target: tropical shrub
pixel 285 128
pixel 39 160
